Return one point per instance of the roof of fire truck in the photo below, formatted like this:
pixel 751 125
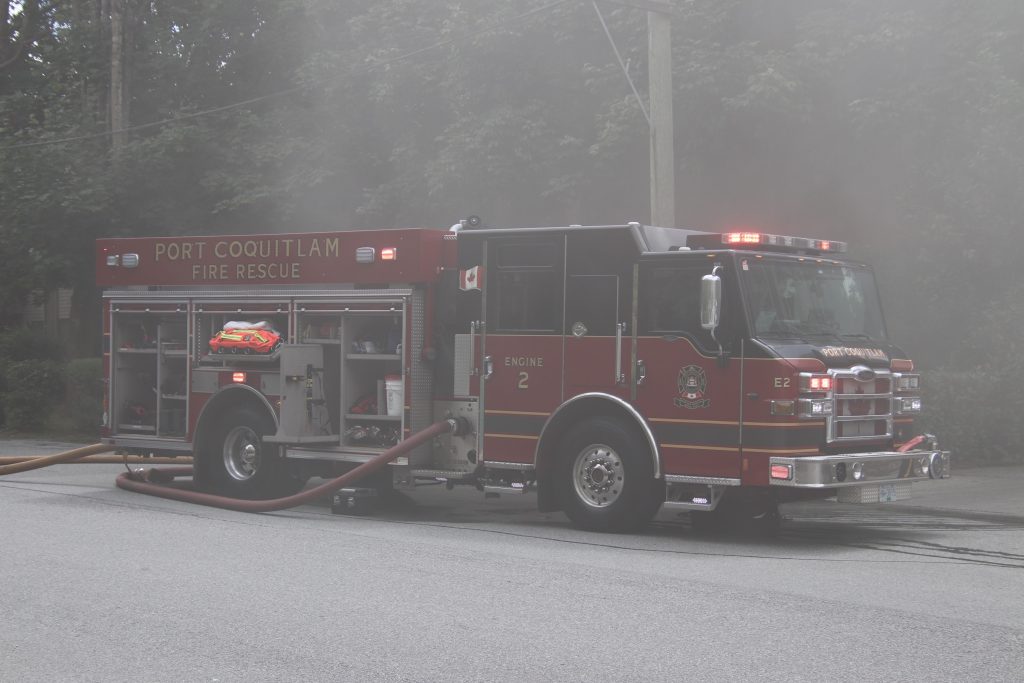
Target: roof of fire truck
pixel 652 240
pixel 371 256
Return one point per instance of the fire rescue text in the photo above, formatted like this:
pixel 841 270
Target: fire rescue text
pixel 206 257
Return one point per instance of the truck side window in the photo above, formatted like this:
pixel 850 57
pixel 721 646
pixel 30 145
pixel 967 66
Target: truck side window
pixel 669 301
pixel 527 288
pixel 592 300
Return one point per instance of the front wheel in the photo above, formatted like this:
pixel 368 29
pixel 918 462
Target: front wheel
pixel 606 476
pixel 241 464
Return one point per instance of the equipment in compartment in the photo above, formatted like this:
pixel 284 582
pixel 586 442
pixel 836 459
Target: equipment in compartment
pixel 246 337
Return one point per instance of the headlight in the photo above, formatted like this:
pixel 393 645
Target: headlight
pixel 908 382
pixel 814 408
pixel 908 405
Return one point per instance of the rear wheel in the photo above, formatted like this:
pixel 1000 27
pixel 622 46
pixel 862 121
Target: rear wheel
pixel 606 476
pixel 238 463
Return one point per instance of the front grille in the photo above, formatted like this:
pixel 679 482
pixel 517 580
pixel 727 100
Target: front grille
pixel 862 409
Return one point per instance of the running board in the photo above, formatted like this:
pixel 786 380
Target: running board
pixel 515 488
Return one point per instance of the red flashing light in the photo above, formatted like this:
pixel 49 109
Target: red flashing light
pixel 742 238
pixel 238 377
pixel 820 384
pixel 763 239
pixel 389 254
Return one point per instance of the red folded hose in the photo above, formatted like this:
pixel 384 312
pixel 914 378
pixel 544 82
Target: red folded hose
pixel 141 481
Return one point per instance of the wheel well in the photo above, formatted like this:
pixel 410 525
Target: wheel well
pixel 563 419
pixel 228 399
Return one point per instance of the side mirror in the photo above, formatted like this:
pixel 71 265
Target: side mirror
pixel 711 300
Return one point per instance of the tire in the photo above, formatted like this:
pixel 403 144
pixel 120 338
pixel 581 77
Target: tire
pixel 239 464
pixel 606 477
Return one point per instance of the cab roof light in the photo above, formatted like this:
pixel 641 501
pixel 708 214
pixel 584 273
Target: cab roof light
pixel 754 239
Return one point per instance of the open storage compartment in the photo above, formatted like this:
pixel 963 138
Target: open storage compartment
pixel 229 335
pixel 149 371
pixel 372 378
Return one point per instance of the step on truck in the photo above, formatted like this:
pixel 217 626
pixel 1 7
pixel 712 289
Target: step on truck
pixel 611 370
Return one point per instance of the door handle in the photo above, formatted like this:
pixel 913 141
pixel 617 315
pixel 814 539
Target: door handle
pixel 619 377
pixel 641 372
pixel 488 367
pixel 473 327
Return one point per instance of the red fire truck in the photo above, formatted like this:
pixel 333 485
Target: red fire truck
pixel 613 370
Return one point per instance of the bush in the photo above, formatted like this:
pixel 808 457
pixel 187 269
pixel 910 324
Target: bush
pixel 33 388
pixel 22 344
pixel 975 415
pixel 973 404
pixel 84 396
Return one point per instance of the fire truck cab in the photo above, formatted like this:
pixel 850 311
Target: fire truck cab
pixel 614 370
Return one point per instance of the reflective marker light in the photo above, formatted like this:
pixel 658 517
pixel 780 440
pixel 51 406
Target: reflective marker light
pixel 782 471
pixel 388 254
pixel 238 377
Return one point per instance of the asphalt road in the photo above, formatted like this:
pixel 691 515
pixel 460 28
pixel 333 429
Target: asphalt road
pixel 99 584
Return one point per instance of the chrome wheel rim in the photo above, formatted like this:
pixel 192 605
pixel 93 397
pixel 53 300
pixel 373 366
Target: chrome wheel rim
pixel 598 475
pixel 242 453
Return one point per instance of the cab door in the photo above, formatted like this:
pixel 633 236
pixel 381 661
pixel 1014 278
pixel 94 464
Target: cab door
pixel 598 312
pixel 688 391
pixel 521 343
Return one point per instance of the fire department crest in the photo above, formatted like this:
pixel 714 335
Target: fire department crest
pixel 692 384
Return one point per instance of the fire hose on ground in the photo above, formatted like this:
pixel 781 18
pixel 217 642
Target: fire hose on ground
pixel 34 462
pixel 153 481
pixel 13 465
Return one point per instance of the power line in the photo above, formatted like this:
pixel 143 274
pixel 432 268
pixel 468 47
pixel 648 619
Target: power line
pixel 288 91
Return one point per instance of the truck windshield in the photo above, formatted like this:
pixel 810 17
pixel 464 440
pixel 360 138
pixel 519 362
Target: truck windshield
pixel 790 299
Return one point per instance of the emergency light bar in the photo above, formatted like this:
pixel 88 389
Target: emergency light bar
pixel 740 240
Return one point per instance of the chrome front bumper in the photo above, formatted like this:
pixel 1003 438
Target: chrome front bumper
pixel 858 469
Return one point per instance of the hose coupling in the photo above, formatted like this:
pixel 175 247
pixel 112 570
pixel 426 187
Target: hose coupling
pixel 459 426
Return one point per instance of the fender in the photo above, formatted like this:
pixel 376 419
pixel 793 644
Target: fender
pixel 217 401
pixel 620 405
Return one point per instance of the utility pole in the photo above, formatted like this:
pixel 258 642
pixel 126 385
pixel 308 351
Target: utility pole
pixel 663 176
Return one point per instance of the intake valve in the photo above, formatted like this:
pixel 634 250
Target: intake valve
pixel 459 426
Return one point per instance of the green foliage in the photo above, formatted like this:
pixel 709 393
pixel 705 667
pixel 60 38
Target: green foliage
pixel 974 403
pixel 34 388
pixel 960 409
pixel 23 343
pixel 83 398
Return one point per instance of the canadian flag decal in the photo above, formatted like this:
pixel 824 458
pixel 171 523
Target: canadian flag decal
pixel 470 279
